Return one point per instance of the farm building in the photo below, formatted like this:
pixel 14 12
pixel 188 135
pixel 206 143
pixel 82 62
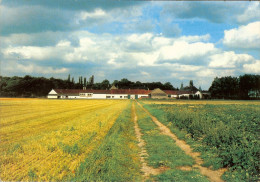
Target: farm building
pixel 115 93
pixel 203 94
pixel 158 94
pixel 97 94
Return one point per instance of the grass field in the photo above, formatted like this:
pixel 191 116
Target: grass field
pixel 86 140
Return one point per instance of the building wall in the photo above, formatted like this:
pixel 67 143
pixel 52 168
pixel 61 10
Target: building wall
pixel 73 97
pixel 52 96
pixel 144 95
pixel 116 96
pixel 98 96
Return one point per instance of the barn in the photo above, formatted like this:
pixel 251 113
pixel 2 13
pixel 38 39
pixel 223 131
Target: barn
pixel 158 94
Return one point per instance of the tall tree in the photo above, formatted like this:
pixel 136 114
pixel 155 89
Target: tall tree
pixel 105 84
pixel 168 86
pixel 191 83
pixel 85 81
pixel 249 85
pixel 181 86
pixel 69 78
pixel 224 87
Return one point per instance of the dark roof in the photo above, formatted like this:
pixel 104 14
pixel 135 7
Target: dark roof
pixel 130 91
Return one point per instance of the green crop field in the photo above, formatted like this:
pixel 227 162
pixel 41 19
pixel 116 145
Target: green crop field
pixel 226 133
pixel 127 140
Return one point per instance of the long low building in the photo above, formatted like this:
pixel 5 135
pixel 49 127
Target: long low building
pixel 98 94
pixel 118 94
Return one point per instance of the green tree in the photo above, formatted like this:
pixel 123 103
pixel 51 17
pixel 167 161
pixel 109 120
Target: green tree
pixel 105 84
pixel 85 81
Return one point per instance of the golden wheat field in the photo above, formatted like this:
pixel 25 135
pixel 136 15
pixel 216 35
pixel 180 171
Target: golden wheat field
pixel 51 137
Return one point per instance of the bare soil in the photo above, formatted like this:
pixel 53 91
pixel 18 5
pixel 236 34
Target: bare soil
pixel 214 176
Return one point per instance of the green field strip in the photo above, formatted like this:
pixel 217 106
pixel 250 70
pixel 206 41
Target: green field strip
pixel 163 152
pixel 226 137
pixel 116 158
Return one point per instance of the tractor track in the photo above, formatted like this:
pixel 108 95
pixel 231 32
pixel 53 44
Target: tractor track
pixel 213 176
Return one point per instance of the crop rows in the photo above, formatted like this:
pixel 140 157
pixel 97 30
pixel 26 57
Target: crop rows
pixel 88 140
pixel 227 135
pixel 47 140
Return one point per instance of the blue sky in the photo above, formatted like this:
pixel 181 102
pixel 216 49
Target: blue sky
pixel 163 41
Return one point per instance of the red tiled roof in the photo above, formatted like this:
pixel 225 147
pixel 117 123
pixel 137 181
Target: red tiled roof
pixel 114 91
pixel 119 91
pixel 131 91
pixel 171 92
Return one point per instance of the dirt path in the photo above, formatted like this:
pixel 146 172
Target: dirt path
pixel 147 170
pixel 214 176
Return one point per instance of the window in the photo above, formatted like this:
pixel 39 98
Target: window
pixel 121 96
pixel 112 96
pixel 125 97
pixel 108 97
pixel 89 95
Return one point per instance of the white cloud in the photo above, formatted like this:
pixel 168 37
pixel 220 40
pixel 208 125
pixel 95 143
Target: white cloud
pixel 252 68
pixel 37 53
pixel 183 68
pixel 182 49
pixel 252 12
pixel 98 13
pixel 228 60
pixel 195 38
pixel 145 73
pixel 31 68
pixel 245 37
pixel 206 73
pixel 63 43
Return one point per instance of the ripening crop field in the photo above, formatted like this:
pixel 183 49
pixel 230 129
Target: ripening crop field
pixel 100 140
pixel 47 139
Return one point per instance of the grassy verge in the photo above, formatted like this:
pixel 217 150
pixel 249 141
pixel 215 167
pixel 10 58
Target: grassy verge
pixel 116 159
pixel 226 137
pixel 163 152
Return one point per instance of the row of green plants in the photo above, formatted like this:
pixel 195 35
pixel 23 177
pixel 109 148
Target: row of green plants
pixel 163 152
pixel 226 135
pixel 117 158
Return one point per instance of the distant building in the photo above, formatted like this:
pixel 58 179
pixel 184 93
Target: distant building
pixel 203 94
pixel 115 93
pixel 158 94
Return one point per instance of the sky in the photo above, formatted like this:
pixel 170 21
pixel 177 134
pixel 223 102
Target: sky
pixel 166 41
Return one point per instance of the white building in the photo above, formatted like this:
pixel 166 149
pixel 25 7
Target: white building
pixel 123 94
pixel 97 94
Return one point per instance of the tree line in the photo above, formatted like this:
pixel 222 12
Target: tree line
pixel 29 86
pixel 243 87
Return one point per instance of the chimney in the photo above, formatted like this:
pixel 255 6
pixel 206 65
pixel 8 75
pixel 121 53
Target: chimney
pixel 84 88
